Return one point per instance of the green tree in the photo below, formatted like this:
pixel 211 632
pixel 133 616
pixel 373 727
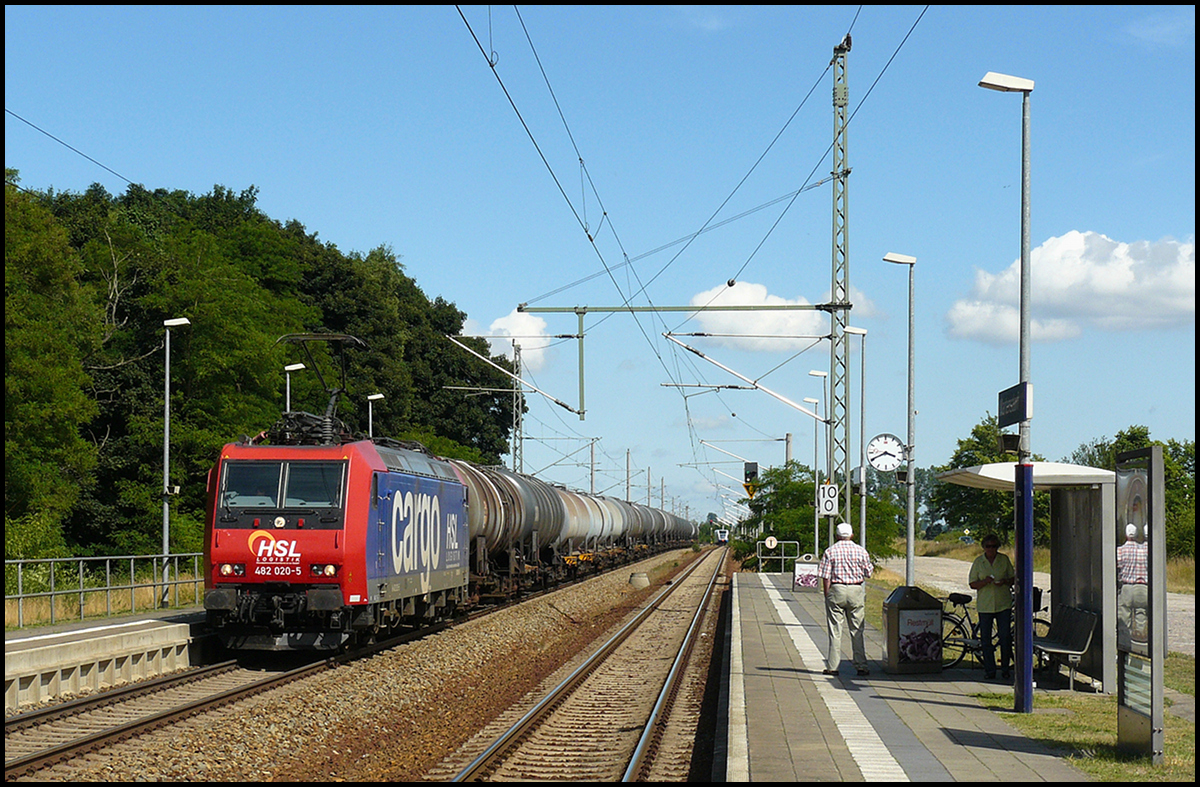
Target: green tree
pixel 783 506
pixel 408 355
pixel 150 262
pixel 50 324
pixel 1179 481
pixel 959 508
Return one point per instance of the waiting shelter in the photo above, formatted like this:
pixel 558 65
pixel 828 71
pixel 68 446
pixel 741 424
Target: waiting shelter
pixel 1083 552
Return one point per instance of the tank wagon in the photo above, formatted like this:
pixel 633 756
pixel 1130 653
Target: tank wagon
pixel 316 540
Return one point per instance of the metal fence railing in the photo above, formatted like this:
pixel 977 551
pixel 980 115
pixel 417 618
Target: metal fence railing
pixel 54 590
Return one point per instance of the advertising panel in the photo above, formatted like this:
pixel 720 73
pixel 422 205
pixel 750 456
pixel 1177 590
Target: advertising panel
pixel 421 534
pixel 920 632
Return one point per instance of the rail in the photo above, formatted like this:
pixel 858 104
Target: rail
pixel 53 590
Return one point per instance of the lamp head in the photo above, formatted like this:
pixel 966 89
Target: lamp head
pixel 899 259
pixel 1005 83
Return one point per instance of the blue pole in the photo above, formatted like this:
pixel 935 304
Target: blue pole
pixel 1023 647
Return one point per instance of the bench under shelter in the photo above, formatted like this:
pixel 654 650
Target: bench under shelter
pixel 1083 552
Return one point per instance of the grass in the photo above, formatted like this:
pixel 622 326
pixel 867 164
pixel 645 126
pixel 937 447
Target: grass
pixel 1084 728
pixel 97 602
pixel 1181 572
pixel 1088 737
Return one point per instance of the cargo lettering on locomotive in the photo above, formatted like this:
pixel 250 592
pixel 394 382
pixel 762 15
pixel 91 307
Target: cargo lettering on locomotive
pixel 416 536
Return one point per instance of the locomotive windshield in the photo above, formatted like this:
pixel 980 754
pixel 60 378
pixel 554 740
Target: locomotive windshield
pixel 296 484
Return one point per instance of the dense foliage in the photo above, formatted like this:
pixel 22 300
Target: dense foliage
pixel 89 280
pixel 958 508
pixel 783 506
pixel 1179 479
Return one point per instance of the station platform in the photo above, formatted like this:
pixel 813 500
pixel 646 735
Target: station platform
pixel 788 722
pixel 48 661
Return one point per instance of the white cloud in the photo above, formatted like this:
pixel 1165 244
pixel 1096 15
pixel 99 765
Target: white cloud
pixel 706 424
pixel 705 18
pixel 1083 280
pixel 1171 28
pixel 530 333
pixel 758 330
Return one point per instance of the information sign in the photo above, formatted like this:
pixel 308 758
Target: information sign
pixel 827 499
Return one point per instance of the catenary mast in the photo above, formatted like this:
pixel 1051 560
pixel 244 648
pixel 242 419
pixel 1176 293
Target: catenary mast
pixel 839 301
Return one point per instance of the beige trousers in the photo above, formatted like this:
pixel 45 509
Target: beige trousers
pixel 844 606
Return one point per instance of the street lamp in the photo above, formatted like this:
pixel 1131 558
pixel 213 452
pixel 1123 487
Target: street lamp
pixel 816 480
pixel 910 478
pixel 1023 481
pixel 287 370
pixel 371 400
pixel 861 333
pixel 166 492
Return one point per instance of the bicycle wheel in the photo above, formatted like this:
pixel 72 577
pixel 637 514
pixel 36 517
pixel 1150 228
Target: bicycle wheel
pixel 954 641
pixel 1041 628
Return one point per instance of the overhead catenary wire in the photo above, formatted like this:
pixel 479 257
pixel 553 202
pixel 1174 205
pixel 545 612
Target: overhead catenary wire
pixel 628 263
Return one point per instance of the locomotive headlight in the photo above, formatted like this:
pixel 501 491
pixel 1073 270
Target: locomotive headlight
pixel 232 570
pixel 324 570
pixel 330 570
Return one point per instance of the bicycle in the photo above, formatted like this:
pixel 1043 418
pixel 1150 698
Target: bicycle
pixel 960 631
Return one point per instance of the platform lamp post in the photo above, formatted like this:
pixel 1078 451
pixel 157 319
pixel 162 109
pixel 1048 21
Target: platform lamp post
pixel 1023 480
pixel 166 491
pixel 861 333
pixel 909 449
pixel 287 370
pixel 816 480
pixel 371 400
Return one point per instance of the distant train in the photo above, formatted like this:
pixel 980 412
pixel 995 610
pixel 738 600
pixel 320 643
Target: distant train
pixel 316 540
pixel 721 535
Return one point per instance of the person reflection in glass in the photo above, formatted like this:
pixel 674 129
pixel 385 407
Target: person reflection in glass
pixel 1132 597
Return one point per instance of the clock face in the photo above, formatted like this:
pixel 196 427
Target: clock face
pixel 885 452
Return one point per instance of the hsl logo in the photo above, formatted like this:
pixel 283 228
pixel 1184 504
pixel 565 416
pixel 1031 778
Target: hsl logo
pixel 270 549
pixel 416 542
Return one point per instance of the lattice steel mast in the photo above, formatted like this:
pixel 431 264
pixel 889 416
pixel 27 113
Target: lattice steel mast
pixel 839 362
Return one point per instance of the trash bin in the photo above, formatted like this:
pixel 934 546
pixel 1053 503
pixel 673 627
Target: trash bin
pixel 912 631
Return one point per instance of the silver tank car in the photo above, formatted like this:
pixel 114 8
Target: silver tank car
pixel 485 509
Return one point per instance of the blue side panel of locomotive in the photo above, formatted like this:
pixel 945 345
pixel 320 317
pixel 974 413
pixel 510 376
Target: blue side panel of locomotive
pixel 417 539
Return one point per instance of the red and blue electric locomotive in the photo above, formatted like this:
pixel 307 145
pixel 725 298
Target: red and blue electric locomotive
pixel 319 541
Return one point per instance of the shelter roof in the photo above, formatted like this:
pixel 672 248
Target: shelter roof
pixel 1046 475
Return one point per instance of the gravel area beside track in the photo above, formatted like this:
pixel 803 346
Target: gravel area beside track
pixel 390 717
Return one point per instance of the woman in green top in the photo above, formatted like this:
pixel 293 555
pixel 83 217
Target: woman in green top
pixel 992 575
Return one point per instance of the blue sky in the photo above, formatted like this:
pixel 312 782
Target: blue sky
pixel 578 171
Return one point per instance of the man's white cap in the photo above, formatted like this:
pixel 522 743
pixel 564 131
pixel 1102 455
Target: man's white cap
pixel 1131 530
pixel 844 530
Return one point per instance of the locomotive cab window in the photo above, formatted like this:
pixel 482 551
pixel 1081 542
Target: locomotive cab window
pixel 314 485
pixel 297 484
pixel 251 484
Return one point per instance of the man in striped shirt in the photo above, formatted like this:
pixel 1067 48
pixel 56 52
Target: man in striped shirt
pixel 844 568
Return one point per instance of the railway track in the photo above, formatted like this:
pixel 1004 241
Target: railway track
pixel 39 739
pixel 60 741
pixel 606 720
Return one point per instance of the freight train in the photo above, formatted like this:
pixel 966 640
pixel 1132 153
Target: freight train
pixel 318 540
